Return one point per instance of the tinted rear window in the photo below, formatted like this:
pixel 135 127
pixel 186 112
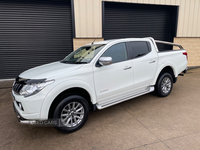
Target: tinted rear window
pixel 138 49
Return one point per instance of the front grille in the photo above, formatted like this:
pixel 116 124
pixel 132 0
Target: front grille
pixel 17 87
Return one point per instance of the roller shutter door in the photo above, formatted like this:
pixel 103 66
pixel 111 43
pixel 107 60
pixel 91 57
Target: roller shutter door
pixel 33 33
pixel 125 20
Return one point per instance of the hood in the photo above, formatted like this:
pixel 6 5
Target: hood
pixel 49 70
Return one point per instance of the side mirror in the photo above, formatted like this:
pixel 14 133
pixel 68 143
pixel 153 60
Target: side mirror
pixel 103 61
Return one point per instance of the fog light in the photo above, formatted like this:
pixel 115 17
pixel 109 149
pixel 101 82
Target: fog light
pixel 20 106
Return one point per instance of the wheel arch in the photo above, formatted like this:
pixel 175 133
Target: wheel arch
pixel 54 96
pixel 71 91
pixel 164 69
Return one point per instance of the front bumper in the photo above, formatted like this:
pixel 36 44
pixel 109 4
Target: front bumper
pixel 21 119
pixel 31 107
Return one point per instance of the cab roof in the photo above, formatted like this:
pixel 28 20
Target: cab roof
pixel 114 40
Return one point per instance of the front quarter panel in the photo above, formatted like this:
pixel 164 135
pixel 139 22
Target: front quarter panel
pixel 59 89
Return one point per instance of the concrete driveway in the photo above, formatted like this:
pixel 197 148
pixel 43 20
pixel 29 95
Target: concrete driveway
pixel 144 123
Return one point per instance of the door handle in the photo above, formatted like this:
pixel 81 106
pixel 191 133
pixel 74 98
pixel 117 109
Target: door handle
pixel 152 61
pixel 127 67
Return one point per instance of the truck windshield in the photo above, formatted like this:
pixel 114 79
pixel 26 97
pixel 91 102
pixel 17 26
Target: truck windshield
pixel 83 54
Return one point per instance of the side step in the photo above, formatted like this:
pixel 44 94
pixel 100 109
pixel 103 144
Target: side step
pixel 151 89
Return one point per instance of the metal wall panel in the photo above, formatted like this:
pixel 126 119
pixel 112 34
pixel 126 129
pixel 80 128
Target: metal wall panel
pixel 188 20
pixel 33 33
pixel 123 20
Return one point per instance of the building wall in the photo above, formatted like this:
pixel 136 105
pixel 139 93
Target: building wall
pixel 78 42
pixel 88 16
pixel 192 46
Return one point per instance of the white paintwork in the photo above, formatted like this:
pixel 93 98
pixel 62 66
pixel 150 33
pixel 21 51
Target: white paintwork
pixel 144 69
pixel 49 70
pixel 106 85
pixel 112 81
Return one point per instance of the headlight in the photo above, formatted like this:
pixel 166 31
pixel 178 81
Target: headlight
pixel 31 89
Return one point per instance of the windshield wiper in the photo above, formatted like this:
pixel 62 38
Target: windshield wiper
pixel 80 62
pixel 71 62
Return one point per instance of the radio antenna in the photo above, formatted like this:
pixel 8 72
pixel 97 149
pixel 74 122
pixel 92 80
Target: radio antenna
pixel 95 39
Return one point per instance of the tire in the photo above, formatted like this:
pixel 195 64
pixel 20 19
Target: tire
pixel 164 85
pixel 73 117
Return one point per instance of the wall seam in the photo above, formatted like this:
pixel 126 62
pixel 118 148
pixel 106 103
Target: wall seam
pixel 198 16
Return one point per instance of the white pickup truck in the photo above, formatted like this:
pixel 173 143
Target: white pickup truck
pixel 95 76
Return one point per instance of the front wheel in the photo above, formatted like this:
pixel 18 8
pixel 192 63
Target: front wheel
pixel 164 85
pixel 71 114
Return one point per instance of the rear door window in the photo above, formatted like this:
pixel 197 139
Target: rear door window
pixel 138 49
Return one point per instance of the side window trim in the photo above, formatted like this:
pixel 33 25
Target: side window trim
pixel 149 46
pixel 128 51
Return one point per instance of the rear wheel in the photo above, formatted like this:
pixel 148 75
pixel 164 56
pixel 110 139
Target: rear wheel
pixel 164 85
pixel 71 114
